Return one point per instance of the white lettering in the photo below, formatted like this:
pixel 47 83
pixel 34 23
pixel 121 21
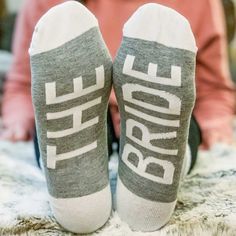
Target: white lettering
pixel 76 112
pixel 175 79
pixel 79 91
pixel 53 157
pixel 77 119
pixel 168 167
pixel 173 101
pixel 147 137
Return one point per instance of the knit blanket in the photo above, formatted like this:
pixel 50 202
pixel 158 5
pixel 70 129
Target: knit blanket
pixel 206 202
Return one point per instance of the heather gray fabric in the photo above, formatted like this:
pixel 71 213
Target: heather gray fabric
pixel 86 173
pixel 146 52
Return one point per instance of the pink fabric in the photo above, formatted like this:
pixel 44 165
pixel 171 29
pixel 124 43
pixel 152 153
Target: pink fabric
pixel 17 104
pixel 215 92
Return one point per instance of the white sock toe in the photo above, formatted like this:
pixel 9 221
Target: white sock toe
pixel 81 22
pixel 165 21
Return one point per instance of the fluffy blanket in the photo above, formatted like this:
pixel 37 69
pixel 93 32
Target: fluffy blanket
pixel 206 203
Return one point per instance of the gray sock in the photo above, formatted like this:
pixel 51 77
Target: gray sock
pixel 153 76
pixel 71 83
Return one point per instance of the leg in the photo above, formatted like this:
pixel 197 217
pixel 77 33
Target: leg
pixel 71 83
pixel 36 149
pixel 194 140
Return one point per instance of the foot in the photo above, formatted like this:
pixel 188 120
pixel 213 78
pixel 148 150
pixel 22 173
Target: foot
pixel 71 83
pixel 153 76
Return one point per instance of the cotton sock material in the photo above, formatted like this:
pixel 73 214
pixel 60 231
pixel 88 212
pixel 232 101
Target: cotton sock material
pixel 153 78
pixel 71 83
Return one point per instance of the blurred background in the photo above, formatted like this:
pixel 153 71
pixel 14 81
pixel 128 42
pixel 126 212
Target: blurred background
pixel 10 8
pixel 8 13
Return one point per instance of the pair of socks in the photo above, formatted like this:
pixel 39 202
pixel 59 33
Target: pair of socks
pixel 153 79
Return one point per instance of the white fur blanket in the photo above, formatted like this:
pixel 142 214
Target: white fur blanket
pixel 206 203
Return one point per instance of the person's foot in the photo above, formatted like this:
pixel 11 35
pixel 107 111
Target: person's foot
pixel 153 76
pixel 71 83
